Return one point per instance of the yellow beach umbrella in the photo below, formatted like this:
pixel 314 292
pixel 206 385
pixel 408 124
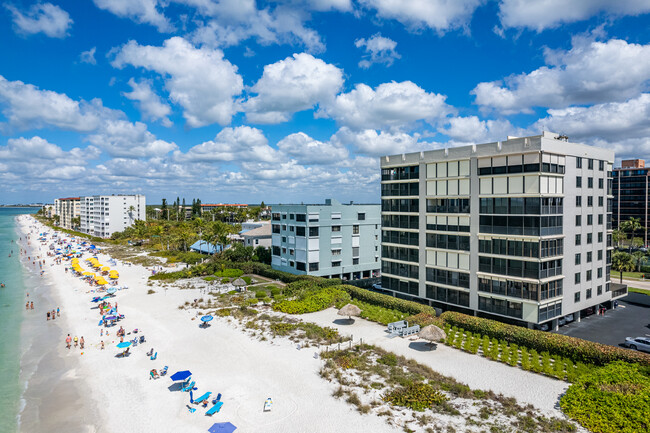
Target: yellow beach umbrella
pixel 106 268
pixel 88 273
pixel 102 281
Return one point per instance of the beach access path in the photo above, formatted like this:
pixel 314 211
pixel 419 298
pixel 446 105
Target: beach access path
pixel 475 371
pixel 222 359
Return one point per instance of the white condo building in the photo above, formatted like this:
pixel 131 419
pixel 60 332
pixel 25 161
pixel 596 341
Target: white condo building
pixel 67 209
pixel 103 215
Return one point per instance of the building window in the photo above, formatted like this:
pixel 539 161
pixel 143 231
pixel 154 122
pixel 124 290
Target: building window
pixel 600 219
pixel 578 220
pixel 292 252
pixel 599 273
pixel 284 250
pixel 336 229
pixel 275 250
pixel 355 251
pixel 590 164
pixel 336 252
pixel 588 276
pixel 579 182
pixel 601 183
pixel 313 232
pixel 588 294
pixel 313 266
pixel 355 261
pixel 300 231
pixel 600 254
pixel 601 165
pixel 578 162
pixel 284 216
pixel 590 201
pixel 599 290
pixel 361 216
pixel 292 263
pixel 600 201
pixel 578 200
pixel 590 182
pixel 301 218
pixel 590 220
pixel 578 259
pixel 576 278
pixel 291 228
pixel 600 237
pixel 590 256
pixel 590 238
pixel 576 297
pixel 578 239
pixel 336 264
pixel 292 216
pixel 300 266
pixel 355 229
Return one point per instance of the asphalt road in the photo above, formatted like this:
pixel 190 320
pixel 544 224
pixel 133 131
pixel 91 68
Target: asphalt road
pixel 630 319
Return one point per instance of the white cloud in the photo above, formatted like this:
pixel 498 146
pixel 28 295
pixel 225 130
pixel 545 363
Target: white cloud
pixel 231 144
pixel 378 50
pixel 473 130
pixel 294 84
pixel 440 15
pixel 307 150
pixel 149 102
pixel 231 21
pixel 28 107
pixel 371 142
pixel 141 11
pixel 542 14
pixel 88 56
pixel 198 79
pixel 42 18
pixel 389 105
pixel 591 72
pixel 121 138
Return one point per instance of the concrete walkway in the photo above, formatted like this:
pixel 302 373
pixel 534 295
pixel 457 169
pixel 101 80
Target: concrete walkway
pixel 479 373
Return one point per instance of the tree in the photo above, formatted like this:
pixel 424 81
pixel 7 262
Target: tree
pixel 76 222
pixel 638 257
pixel 238 253
pixel 622 262
pixel 185 235
pixel 617 236
pixel 163 208
pixel 631 225
pixel 263 255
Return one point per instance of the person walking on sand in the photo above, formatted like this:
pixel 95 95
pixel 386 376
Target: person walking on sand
pixel 53 314
pixel 58 312
pixel 31 305
pixel 48 315
pixel 27 306
pixel 81 342
pixel 102 345
pixel 76 341
pixel 67 340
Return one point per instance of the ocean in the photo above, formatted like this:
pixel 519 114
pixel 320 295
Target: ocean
pixel 12 302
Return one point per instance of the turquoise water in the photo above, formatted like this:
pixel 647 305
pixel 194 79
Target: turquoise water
pixel 12 303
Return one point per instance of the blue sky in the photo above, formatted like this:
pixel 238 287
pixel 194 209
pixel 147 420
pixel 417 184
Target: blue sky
pixel 295 100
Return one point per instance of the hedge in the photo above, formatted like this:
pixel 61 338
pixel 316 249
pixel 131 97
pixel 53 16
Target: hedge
pixel 386 301
pixel 576 349
pixel 313 302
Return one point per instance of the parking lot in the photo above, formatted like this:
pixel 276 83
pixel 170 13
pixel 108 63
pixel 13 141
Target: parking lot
pixel 630 319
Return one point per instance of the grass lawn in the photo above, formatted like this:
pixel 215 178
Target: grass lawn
pixel 636 275
pixel 635 290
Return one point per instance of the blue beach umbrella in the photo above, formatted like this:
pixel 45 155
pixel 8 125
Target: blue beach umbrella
pixel 180 375
pixel 206 318
pixel 222 427
pixel 123 344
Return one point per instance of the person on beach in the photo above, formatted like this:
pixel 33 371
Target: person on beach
pixel 102 345
pixel 48 315
pixel 67 340
pixel 76 341
pixel 27 306
pixel 31 305
pixel 53 314
pixel 81 342
pixel 58 312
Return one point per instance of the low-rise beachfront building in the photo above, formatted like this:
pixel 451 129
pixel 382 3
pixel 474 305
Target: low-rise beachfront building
pixel 517 230
pixel 67 209
pixel 103 215
pixel 48 211
pixel 331 240
pixel 258 237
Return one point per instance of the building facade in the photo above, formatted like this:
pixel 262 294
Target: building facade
pixel 631 193
pixel 67 209
pixel 257 237
pixel 49 211
pixel 330 240
pixel 518 230
pixel 103 215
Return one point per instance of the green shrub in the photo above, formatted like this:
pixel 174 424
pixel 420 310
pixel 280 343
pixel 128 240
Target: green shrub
pixel 275 292
pixel 260 294
pixel 558 368
pixel 575 349
pixel 389 359
pixel 514 355
pixel 230 273
pixel 317 301
pixel 390 302
pixel 614 398
pixel 248 280
pixel 418 397
pixel 525 359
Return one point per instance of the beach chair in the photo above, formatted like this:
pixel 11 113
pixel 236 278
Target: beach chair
pixel 155 355
pixel 142 340
pixel 163 372
pixel 189 387
pixel 154 374
pixel 215 408
pixel 202 398
pixel 268 405
pixel 134 342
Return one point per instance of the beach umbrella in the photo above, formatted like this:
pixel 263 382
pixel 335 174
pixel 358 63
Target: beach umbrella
pixel 102 282
pixel 350 310
pixel 222 427
pixel 123 345
pixel 106 268
pixel 88 273
pixel 432 333
pixel 206 318
pixel 180 375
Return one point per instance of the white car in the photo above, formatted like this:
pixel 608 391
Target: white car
pixel 639 343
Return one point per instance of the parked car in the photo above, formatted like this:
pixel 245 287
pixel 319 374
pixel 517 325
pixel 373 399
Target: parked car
pixel 639 343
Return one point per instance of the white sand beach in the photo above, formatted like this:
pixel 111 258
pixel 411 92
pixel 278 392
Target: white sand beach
pixel 117 395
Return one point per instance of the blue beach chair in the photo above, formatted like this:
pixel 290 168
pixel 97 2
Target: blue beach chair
pixel 203 397
pixel 215 408
pixel 154 356
pixel 189 387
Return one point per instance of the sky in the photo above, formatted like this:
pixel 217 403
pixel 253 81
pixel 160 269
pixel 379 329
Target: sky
pixel 295 100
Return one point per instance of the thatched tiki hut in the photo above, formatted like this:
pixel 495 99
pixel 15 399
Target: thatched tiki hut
pixel 350 310
pixel 432 333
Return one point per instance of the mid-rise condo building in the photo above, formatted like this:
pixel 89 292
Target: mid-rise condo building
pixel 518 230
pixel 67 209
pixel 330 240
pixel 631 194
pixel 103 215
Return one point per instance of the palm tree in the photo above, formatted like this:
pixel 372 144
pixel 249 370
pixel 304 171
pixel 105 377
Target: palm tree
pixel 184 235
pixel 623 262
pixel 631 225
pixel 617 236
pixel 638 256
